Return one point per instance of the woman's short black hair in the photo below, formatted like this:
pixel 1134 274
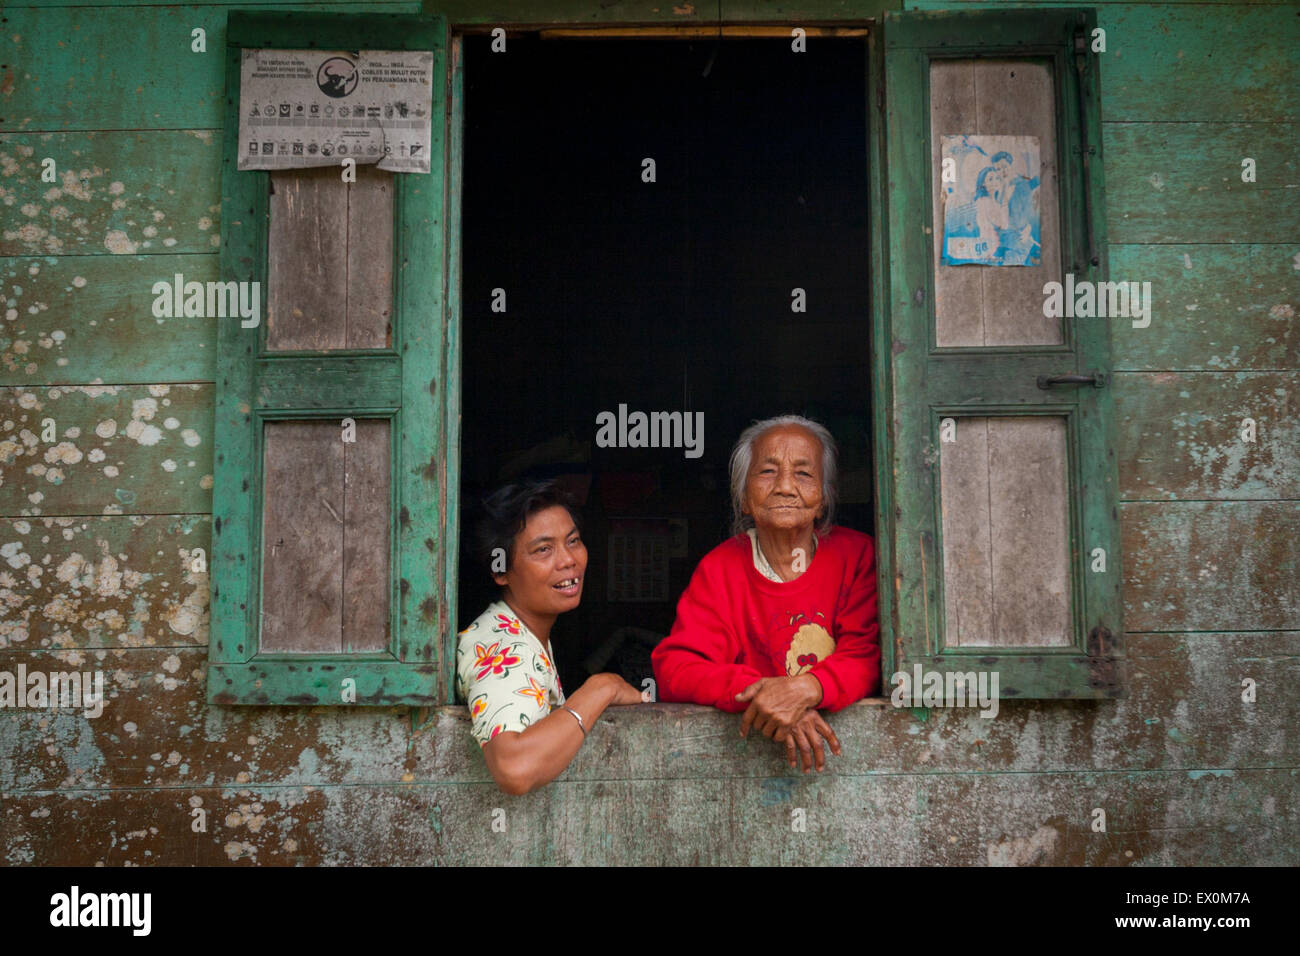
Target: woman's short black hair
pixel 505 513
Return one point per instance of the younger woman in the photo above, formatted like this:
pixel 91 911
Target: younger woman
pixel 506 672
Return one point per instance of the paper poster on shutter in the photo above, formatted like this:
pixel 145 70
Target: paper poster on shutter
pixel 990 196
pixel 302 108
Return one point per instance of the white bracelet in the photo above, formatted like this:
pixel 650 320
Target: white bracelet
pixel 578 717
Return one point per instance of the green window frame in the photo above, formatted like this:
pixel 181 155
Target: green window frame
pixel 918 383
pixel 413 384
pixel 416 384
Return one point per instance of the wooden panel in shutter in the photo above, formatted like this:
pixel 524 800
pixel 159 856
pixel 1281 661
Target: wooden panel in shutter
pixel 1005 529
pixel 326 501
pixel 302 535
pixel 370 260
pixel 330 260
pixel 366 537
pixel 979 305
pixel 307 280
pixel 326 539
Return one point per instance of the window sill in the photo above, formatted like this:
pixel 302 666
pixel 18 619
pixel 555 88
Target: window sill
pixel 688 741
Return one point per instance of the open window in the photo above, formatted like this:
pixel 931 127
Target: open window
pixel 670 225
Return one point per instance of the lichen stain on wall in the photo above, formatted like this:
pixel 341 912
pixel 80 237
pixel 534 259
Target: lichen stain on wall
pixel 101 582
pixel 109 449
pixel 1037 849
pixel 87 209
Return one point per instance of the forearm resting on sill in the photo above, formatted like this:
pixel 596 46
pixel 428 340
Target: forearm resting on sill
pixel 666 741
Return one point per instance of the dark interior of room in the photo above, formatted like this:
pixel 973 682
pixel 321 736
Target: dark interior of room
pixel 673 295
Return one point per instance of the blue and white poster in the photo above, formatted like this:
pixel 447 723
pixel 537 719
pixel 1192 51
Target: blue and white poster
pixel 990 190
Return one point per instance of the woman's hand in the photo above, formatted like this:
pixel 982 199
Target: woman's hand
pixel 778 703
pixel 805 738
pixel 620 691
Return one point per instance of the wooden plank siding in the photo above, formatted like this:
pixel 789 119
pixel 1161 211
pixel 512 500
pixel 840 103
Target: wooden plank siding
pixel 1181 435
pixel 97 569
pixel 85 317
pixel 117 192
pixel 1227 62
pixel 1223 307
pixel 1161 195
pixel 63 49
pixel 1209 565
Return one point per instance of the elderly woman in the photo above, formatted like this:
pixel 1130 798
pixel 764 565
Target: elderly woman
pixel 505 670
pixel 780 619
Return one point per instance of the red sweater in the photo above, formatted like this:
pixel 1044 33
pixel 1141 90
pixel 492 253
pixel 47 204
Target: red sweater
pixel 734 625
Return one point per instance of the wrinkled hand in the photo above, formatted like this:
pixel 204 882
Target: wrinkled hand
pixel 778 703
pixel 805 739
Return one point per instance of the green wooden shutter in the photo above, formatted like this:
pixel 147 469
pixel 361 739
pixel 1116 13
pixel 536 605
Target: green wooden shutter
pixel 331 582
pixel 997 538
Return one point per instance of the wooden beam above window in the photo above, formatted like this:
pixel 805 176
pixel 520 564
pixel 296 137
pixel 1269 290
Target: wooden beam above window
pixel 695 32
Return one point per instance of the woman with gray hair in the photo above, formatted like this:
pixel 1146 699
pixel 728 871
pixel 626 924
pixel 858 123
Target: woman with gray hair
pixel 780 619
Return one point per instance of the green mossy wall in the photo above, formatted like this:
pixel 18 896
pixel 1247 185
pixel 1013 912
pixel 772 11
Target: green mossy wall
pixel 96 530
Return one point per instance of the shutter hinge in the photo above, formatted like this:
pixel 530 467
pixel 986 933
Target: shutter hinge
pixel 1101 641
pixel 1103 668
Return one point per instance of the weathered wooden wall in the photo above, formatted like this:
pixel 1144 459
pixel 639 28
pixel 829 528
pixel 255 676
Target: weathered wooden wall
pixel 97 531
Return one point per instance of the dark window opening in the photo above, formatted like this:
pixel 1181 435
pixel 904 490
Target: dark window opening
pixel 674 295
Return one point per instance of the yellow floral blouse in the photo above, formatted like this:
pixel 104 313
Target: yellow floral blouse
pixel 504 674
